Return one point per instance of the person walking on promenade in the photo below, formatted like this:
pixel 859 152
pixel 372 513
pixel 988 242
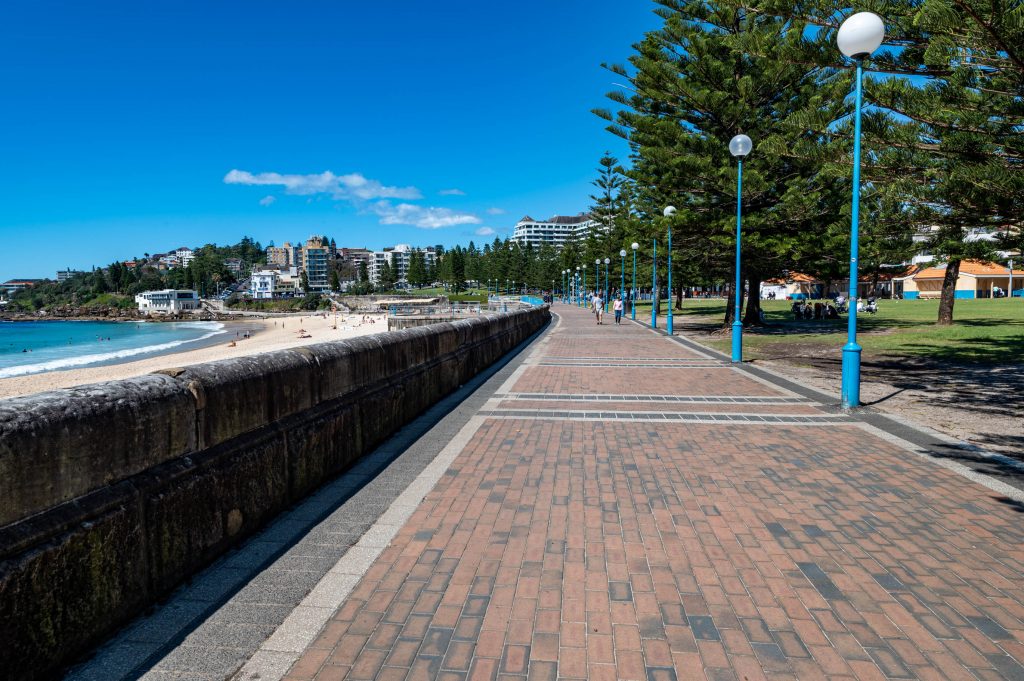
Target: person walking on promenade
pixel 617 306
pixel 599 308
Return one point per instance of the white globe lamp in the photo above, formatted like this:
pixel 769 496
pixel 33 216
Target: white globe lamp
pixel 740 145
pixel 860 35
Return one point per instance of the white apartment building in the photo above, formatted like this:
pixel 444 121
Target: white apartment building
pixel 924 234
pixel 168 301
pixel 185 256
pixel 262 284
pixel 398 257
pixel 555 230
pixel 272 282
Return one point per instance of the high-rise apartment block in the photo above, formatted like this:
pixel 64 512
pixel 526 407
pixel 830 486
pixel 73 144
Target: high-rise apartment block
pixel 555 230
pixel 282 256
pixel 316 263
pixel 398 257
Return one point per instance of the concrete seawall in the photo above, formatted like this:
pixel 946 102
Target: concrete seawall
pixel 112 494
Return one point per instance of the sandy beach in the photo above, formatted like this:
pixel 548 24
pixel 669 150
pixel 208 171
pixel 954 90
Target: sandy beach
pixel 266 336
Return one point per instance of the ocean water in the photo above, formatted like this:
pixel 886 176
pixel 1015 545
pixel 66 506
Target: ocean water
pixel 35 347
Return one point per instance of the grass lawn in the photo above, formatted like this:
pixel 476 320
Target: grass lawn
pixel 984 331
pixel 477 295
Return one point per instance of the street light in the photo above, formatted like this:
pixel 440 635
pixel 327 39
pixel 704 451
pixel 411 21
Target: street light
pixel 606 261
pixel 597 274
pixel 739 146
pixel 859 36
pixel 579 299
pixel 654 287
pixel 669 212
pixel 632 296
pixel 584 280
pixel 622 287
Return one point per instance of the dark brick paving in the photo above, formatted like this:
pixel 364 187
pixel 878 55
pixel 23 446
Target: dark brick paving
pixel 563 405
pixel 565 549
pixel 640 380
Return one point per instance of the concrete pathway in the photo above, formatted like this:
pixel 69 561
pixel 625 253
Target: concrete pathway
pixel 622 505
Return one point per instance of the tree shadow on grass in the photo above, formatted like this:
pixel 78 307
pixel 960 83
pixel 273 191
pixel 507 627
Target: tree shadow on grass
pixel 1000 441
pixel 983 389
pixel 1003 351
pixel 1012 503
pixel 1007 466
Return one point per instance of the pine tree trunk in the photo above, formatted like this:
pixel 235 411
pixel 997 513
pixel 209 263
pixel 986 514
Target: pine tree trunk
pixel 679 298
pixel 948 292
pixel 730 305
pixel 752 317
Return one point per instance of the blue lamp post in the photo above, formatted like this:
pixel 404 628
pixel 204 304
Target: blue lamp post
pixel 669 212
pixel 859 36
pixel 654 288
pixel 606 261
pixel 622 286
pixel 597 275
pixel 579 298
pixel 739 146
pixel 585 294
pixel 632 295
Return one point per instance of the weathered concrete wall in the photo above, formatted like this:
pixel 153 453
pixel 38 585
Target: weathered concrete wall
pixel 112 494
pixel 412 321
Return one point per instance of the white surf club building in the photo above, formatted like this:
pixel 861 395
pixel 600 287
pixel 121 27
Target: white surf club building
pixel 168 301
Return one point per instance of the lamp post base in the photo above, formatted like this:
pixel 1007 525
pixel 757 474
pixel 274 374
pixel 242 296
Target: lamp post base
pixel 654 318
pixel 851 375
pixel 737 341
pixel 668 321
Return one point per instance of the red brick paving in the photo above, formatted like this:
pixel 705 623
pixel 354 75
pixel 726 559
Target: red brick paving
pixel 637 381
pixel 689 407
pixel 618 550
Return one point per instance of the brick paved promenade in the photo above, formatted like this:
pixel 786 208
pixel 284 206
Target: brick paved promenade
pixel 627 507
pixel 665 530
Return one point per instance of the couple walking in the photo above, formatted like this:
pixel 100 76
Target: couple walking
pixel 597 308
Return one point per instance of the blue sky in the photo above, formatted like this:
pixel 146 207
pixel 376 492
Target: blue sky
pixel 396 121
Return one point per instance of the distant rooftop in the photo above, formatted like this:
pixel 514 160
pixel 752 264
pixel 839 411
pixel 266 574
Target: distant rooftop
pixel 561 219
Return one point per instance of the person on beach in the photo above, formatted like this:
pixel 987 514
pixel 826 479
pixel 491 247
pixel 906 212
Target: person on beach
pixel 617 306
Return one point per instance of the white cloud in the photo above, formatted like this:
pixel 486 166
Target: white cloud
pixel 360 191
pixel 495 211
pixel 340 187
pixel 424 217
pixel 452 192
pixel 484 231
